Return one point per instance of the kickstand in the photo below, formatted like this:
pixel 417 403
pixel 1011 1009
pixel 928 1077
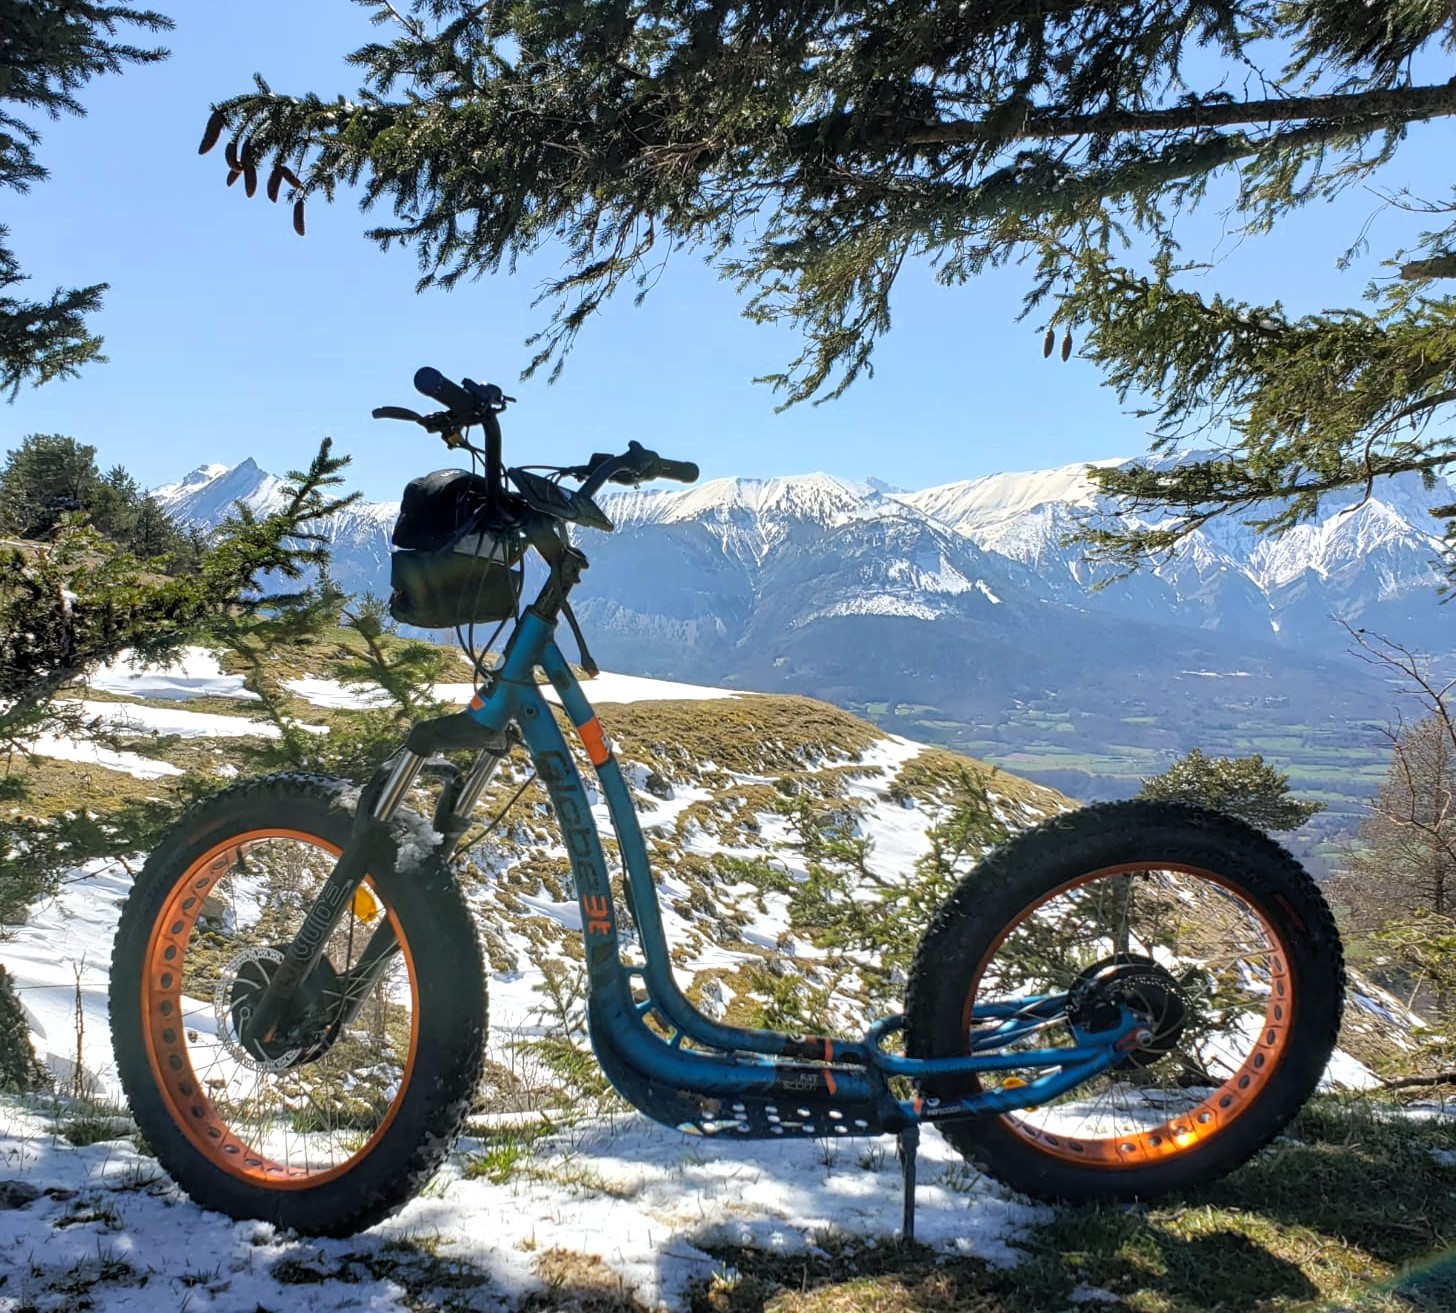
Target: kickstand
pixel 909 1142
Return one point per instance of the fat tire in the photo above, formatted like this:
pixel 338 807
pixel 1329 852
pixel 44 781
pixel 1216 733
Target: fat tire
pixel 1024 870
pixel 452 1011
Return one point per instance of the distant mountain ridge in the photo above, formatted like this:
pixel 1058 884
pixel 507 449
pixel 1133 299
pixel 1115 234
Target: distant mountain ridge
pixel 358 536
pixel 1370 560
pixel 959 614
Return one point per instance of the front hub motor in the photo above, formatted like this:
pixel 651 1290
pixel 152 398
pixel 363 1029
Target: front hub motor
pixel 240 985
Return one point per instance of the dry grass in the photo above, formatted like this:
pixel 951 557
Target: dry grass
pixel 1354 1209
pixel 933 774
pixel 750 735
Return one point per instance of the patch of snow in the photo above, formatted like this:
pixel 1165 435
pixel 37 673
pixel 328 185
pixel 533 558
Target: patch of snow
pixel 419 840
pixel 120 718
pixel 608 687
pixel 1347 1073
pixel 331 693
pixel 62 936
pixel 93 754
pixel 195 674
pixel 878 604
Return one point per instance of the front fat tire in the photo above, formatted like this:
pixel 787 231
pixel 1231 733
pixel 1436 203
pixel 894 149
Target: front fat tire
pixel 449 1010
pixel 1021 873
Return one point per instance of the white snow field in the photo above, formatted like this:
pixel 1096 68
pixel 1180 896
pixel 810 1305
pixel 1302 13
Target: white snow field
pixel 93 754
pixel 639 1197
pixel 196 674
pixel 606 687
pixel 120 718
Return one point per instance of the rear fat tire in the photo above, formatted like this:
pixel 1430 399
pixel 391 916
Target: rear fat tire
pixel 1024 871
pixel 450 1012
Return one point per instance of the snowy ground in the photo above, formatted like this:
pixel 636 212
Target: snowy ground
pixel 195 674
pixel 640 1197
pixel 93 754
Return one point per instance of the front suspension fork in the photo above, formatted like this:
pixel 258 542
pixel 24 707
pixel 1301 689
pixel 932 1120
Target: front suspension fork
pixel 378 802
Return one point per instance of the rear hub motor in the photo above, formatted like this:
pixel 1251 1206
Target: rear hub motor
pixel 1135 982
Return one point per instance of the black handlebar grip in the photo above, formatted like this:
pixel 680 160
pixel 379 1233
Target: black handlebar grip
pixel 682 471
pixel 439 388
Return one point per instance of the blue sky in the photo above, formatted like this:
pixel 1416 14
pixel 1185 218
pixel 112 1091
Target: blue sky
pixel 229 336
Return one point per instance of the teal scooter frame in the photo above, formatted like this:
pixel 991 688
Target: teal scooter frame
pixel 281 1003
pixel 691 1072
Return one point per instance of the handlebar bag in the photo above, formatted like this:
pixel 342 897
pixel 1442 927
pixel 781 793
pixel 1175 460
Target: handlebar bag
pixel 454 554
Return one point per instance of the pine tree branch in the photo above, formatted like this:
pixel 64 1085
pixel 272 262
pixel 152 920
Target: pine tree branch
pixel 1375 108
pixel 1435 266
pixel 1143 488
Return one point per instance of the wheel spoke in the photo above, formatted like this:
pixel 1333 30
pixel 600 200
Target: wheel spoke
pixel 1172 947
pixel 295 1118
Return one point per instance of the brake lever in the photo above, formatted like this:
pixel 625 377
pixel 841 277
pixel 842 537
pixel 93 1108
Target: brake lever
pixel 583 472
pixel 440 422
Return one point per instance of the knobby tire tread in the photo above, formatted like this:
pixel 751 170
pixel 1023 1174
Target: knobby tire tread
pixel 1027 867
pixel 451 983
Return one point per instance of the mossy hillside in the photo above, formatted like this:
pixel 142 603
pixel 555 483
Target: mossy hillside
pixel 315 656
pixel 752 734
pixel 935 774
pixel 56 787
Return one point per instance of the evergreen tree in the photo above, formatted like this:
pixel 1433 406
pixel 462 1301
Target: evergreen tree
pixel 1241 786
pixel 49 50
pixel 396 676
pixel 49 477
pixel 871 922
pixel 813 148
pixel 46 477
pixel 19 1069
pixel 76 601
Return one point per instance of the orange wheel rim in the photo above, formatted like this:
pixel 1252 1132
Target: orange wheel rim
pixel 1188 1128
pixel 192 1097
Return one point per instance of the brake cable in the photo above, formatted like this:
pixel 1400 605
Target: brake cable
pixel 501 815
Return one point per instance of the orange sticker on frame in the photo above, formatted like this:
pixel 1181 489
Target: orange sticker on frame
pixel 594 741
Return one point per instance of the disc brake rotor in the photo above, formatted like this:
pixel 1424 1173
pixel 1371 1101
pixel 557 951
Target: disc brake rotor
pixel 242 982
pixel 1138 983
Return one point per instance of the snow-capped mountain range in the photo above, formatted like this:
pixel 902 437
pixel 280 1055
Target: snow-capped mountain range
pixel 1369 560
pixel 960 613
